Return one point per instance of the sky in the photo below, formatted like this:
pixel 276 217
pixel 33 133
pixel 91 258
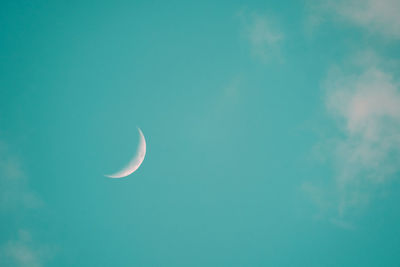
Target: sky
pixel 272 131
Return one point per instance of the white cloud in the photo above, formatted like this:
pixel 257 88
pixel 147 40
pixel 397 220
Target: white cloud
pixel 264 35
pixel 376 15
pixel 15 193
pixel 23 251
pixel 367 108
pixel 16 198
pixel 379 16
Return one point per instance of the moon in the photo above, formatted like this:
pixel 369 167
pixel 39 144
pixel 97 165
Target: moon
pixel 135 162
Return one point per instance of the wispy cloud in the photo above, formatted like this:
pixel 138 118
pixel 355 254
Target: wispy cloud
pixel 377 16
pixel 23 251
pixel 15 193
pixel 263 33
pixel 16 199
pixel 366 106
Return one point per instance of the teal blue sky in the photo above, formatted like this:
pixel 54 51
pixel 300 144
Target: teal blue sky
pixel 272 129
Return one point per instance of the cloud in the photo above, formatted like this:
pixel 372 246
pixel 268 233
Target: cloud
pixel 15 193
pixel 369 107
pixel 366 107
pixel 263 34
pixel 378 16
pixel 16 198
pixel 23 251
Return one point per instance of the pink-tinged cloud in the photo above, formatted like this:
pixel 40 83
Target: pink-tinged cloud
pixel 366 107
pixel 366 103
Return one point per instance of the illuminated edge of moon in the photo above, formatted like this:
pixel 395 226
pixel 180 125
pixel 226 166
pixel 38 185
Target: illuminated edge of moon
pixel 135 162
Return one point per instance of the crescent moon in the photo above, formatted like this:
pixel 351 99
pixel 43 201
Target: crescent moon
pixel 135 162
